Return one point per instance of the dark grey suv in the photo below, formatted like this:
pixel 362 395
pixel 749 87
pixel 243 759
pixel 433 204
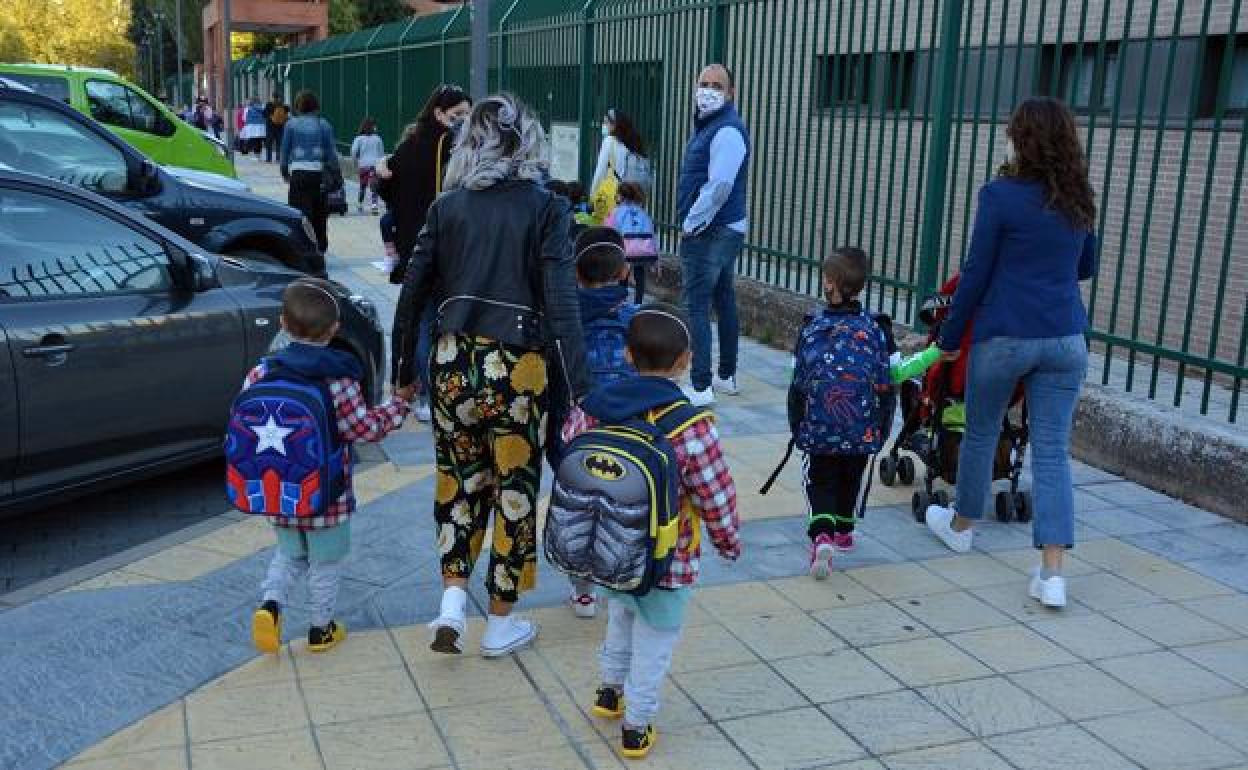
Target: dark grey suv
pixel 122 344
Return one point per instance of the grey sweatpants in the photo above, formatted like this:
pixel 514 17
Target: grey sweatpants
pixel 318 555
pixel 637 656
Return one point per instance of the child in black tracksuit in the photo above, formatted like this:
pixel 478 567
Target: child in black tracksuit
pixel 846 363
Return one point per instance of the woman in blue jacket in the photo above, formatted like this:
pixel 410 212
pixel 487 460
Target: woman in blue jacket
pixel 1031 246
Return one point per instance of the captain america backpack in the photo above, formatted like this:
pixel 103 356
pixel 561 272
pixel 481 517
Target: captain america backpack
pixel 282 451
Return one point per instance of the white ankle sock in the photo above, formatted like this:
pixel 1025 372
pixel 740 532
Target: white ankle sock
pixel 454 599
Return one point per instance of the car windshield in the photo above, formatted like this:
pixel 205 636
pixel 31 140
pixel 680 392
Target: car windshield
pixel 42 141
pixel 52 86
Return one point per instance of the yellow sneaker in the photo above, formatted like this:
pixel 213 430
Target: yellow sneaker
pixel 609 703
pixel 266 628
pixel 636 744
pixel 327 638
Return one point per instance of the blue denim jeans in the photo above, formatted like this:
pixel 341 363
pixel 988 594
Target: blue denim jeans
pixel 708 264
pixel 424 348
pixel 1052 372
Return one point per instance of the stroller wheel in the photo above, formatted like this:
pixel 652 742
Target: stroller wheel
pixel 918 505
pixel 905 470
pixel 1023 506
pixel 1005 506
pixel 888 471
pixel 941 498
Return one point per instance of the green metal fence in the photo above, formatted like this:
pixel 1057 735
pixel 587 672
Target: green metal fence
pixel 875 121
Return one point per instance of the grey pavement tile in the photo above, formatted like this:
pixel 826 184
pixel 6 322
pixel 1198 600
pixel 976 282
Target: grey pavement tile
pixel 894 722
pixel 105 702
pixel 1014 600
pixel 1128 493
pixel 1120 521
pixel 1178 515
pixel 1085 501
pixel 1232 535
pixel 767 563
pixel 380 565
pixel 800 738
pixel 1227 659
pixel 991 706
pixel 783 635
pixel 1172 625
pixel 921 662
pixel 1230 610
pixel 836 676
pixel 1168 679
pixel 952 612
pixel 184 660
pixel 993 536
pixel 415 599
pixel 1012 648
pixel 1159 740
pixel 1065 747
pixel 1081 692
pixel 971 755
pixel 1105 591
pixel 893 581
pixel 1225 719
pixel 1177 546
pixel 30 743
pixel 1231 570
pixel 1092 636
pixel 871 623
pixel 1082 474
pixel 974 570
pixel 725 693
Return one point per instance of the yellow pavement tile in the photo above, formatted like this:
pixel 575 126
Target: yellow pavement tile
pixel 797 738
pixel 560 758
pixel 694 747
pixel 262 670
pixel 239 539
pixel 974 570
pixel 158 759
pixel 402 742
pixel 356 697
pixel 361 652
pixel 1117 556
pixel 839 590
pixel 287 750
pixel 488 733
pixel 574 663
pixel 707 647
pixel 218 713
pixel 895 581
pixel 181 562
pixel 164 729
pixel 783 635
pixel 560 625
pixel 413 642
pixel 742 599
pixel 381 480
pixel 115 579
pixel 468 680
pixel 1175 583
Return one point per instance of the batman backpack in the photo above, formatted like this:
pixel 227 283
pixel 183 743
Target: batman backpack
pixel 615 509
pixel 282 450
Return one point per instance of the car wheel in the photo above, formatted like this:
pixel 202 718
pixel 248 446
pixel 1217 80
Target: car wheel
pixel 256 255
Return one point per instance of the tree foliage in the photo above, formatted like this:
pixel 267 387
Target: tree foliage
pixel 89 33
pixel 373 13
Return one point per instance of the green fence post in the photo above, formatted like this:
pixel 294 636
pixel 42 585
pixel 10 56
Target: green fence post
pixel 584 105
pixel 719 32
pixel 938 158
pixel 442 40
pixel 503 45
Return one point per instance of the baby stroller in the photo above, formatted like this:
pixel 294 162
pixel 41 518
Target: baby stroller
pixel 934 419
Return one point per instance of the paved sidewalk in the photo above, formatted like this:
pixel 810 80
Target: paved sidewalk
pixel 908 657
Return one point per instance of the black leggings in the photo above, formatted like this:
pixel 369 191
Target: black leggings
pixel 833 484
pixel 306 195
pixel 639 280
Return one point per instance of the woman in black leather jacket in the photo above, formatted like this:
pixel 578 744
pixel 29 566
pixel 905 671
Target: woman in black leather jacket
pixel 495 258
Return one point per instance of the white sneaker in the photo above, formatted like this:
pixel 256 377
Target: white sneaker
pixel 940 522
pixel 583 605
pixel 1051 592
pixel 699 398
pixel 423 412
pixel 728 386
pixel 506 634
pixel 447 631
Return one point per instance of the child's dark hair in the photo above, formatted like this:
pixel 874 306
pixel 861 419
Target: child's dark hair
pixel 657 337
pixel 599 256
pixel 309 309
pixel 576 192
pixel 558 187
pixel 847 269
pixel 631 192
pixel 368 126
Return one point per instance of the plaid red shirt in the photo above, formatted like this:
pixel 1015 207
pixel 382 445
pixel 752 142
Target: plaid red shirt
pixel 356 422
pixel 705 484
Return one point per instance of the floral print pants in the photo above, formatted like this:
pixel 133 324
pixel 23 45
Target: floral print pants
pixel 489 406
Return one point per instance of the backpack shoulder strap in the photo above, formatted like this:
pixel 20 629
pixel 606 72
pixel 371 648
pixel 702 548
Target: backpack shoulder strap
pixel 675 418
pixel 437 166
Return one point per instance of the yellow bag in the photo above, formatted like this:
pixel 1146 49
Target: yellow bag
pixel 602 201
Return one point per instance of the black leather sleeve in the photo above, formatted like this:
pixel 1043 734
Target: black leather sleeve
pixel 561 306
pixel 415 295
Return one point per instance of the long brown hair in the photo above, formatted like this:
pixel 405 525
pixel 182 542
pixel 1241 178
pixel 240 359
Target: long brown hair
pixel 1047 149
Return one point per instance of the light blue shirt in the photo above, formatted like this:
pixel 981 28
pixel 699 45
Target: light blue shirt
pixel 727 154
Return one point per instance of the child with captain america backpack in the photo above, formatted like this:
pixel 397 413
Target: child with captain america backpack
pixel 289 458
pixel 601 271
pixel 840 402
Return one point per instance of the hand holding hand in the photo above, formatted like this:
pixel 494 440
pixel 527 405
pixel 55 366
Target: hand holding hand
pixel 406 393
pixel 950 356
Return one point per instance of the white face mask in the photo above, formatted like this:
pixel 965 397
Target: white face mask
pixel 709 100
pixel 606 131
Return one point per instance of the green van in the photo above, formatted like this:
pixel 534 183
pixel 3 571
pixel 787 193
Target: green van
pixel 126 110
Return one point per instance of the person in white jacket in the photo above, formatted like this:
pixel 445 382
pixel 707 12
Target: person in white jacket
pixel 623 152
pixel 367 149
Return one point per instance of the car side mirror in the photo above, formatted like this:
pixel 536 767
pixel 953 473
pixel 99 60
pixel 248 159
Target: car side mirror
pixel 149 179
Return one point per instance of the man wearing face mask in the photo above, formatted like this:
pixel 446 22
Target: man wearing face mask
pixel 711 207
pixel 409 180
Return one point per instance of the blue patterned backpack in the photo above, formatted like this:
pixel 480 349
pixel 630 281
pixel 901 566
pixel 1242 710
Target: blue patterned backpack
pixel 282 450
pixel 841 371
pixel 605 341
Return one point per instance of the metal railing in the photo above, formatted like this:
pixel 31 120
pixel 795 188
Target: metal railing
pixel 874 122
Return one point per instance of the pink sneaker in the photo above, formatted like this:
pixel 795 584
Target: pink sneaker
pixel 821 557
pixel 844 541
